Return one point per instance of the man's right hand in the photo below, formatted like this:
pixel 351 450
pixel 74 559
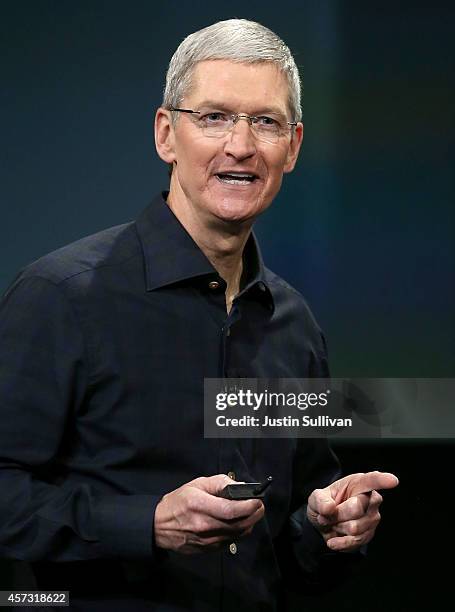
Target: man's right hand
pixel 194 519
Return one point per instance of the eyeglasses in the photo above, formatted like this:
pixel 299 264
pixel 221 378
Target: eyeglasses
pixel 216 124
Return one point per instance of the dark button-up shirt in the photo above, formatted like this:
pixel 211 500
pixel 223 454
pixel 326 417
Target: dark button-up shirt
pixel 104 346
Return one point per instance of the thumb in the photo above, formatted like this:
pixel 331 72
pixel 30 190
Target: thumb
pixel 322 503
pixel 212 484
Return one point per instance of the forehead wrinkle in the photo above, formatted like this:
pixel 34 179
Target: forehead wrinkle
pixel 200 79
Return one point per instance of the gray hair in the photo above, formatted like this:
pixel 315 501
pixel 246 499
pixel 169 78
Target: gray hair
pixel 237 40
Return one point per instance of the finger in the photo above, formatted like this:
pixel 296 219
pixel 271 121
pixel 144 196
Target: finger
pixel 212 484
pixel 355 507
pixel 238 526
pixel 250 518
pixel 321 503
pixel 359 526
pixel 203 499
pixel 352 508
pixel 349 543
pixel 231 511
pixel 376 499
pixel 215 540
pixel 205 526
pixel 354 484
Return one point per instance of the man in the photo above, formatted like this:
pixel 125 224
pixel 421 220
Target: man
pixel 108 484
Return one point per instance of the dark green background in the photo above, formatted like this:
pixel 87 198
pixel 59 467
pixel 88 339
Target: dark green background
pixel 364 227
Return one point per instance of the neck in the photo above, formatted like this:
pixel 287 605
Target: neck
pixel 222 242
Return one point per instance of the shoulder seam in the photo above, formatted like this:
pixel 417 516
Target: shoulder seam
pixel 67 278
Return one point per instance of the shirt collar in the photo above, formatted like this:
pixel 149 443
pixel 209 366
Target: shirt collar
pixel 171 255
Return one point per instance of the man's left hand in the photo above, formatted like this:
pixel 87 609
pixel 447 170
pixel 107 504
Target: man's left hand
pixel 347 511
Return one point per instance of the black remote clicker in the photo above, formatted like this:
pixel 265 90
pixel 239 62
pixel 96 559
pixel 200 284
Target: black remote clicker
pixel 246 490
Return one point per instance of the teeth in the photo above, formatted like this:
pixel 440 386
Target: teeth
pixel 236 177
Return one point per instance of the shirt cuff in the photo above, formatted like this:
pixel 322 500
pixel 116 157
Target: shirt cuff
pixel 125 525
pixel 320 564
pixel 308 544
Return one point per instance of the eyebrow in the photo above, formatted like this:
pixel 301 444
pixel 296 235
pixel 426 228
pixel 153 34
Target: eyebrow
pixel 214 104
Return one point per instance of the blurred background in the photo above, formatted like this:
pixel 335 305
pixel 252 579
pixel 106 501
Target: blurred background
pixel 364 227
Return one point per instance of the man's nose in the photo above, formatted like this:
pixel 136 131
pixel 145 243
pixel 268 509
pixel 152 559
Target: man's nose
pixel 240 142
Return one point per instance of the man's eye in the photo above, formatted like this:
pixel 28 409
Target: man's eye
pixel 265 121
pixel 214 118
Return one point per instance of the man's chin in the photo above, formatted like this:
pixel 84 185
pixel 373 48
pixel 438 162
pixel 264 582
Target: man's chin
pixel 235 211
pixel 236 205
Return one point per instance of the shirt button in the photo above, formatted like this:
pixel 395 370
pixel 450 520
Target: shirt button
pixel 231 475
pixel 214 285
pixel 233 548
pixel 228 331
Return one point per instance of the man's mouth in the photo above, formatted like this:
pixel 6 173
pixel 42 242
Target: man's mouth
pixel 236 178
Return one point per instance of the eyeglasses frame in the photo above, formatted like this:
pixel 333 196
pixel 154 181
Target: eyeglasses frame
pixel 235 117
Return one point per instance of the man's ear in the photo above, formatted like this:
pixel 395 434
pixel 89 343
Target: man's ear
pixel 164 135
pixel 294 148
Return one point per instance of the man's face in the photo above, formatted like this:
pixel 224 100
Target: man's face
pixel 252 89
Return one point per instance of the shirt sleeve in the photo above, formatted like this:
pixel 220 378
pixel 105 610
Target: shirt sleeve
pixel 315 466
pixel 44 379
pixel 309 566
